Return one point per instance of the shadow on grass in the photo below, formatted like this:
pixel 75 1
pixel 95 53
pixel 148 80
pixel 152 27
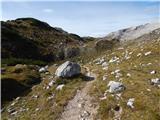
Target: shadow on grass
pixel 10 89
pixel 79 77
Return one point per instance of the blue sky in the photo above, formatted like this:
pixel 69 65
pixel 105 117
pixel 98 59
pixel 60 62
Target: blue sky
pixel 85 18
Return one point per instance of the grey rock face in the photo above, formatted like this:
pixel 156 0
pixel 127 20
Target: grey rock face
pixel 68 69
pixel 115 87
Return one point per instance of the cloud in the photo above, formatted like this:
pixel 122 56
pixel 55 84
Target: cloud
pixel 47 10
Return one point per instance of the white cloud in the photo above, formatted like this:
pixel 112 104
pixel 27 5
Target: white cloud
pixel 48 10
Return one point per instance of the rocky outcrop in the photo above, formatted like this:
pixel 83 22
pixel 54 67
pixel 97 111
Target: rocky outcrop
pixel 68 69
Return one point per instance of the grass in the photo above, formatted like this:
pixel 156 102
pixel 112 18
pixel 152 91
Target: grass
pixel 146 103
pixel 50 109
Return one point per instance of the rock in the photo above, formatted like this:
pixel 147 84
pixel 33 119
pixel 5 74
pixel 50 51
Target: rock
pixel 37 109
pixel 68 69
pixel 139 54
pixel 14 113
pixel 130 103
pixel 115 87
pixel 128 75
pixel 85 114
pixel 153 72
pixel 50 97
pixel 147 53
pixel 42 70
pixel 104 64
pixel 114 59
pixel 60 87
pixel 155 81
pixel 51 83
pixel 104 77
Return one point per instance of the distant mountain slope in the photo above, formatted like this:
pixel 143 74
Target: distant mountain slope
pixel 132 32
pixel 34 39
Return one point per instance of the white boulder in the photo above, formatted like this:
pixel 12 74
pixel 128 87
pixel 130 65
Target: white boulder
pixel 68 69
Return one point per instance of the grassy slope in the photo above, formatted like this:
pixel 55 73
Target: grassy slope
pixel 49 109
pixel 147 104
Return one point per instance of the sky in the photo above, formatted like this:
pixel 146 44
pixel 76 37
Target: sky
pixel 85 18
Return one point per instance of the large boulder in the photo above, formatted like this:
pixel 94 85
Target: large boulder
pixel 68 69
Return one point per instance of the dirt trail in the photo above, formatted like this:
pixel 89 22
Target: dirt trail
pixel 81 106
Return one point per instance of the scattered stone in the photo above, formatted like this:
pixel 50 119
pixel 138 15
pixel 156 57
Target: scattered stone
pixel 10 110
pixel 115 87
pixel 155 81
pixel 103 98
pixel 60 87
pixel 149 90
pixel 130 103
pixel 51 83
pixel 114 59
pixel 42 70
pixel 153 72
pixel 118 75
pixel 13 103
pixel 104 77
pixel 147 53
pixel 139 54
pixel 17 98
pixel 128 75
pixel 68 69
pixel 104 64
pixel 14 113
pixel 50 97
pixel 35 96
pixel 37 109
pixel 85 114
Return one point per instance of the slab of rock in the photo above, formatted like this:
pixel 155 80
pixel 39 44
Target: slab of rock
pixel 68 69
pixel 115 87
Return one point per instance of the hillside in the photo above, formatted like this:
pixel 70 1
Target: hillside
pixel 117 80
pixel 29 38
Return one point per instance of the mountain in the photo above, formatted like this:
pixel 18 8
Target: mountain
pixel 132 33
pixel 29 38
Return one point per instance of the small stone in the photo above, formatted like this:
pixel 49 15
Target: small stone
pixel 51 83
pixel 147 53
pixel 153 72
pixel 14 113
pixel 139 54
pixel 155 81
pixel 115 87
pixel 60 87
pixel 128 75
pixel 37 109
pixel 130 103
pixel 104 77
pixel 42 70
